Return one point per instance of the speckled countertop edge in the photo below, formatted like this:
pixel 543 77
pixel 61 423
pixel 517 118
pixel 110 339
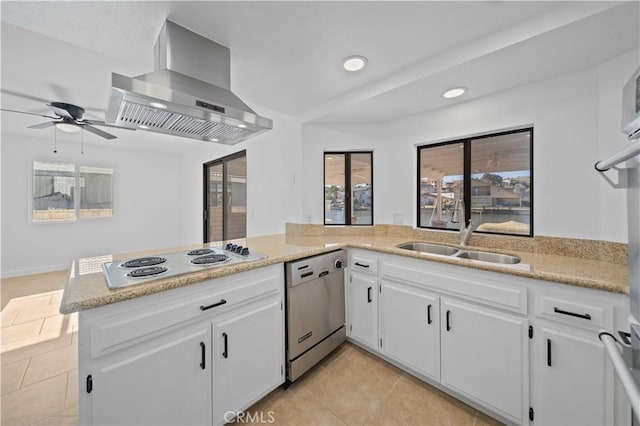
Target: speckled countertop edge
pixel 88 291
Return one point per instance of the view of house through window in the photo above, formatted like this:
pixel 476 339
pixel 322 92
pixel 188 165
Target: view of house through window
pixel 95 189
pixel 225 195
pixel 63 191
pixel 492 174
pixel 348 188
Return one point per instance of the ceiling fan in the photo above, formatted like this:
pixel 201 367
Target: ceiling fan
pixel 68 118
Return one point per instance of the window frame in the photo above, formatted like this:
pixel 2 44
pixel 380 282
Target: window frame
pixel 348 189
pixel 467 143
pixel 77 192
pixel 205 191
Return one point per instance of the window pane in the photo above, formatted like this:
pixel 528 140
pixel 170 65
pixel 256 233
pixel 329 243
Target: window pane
pixel 501 183
pixel 215 203
pixel 334 186
pixel 96 192
pixel 236 222
pixel 361 189
pixel 441 184
pixel 53 191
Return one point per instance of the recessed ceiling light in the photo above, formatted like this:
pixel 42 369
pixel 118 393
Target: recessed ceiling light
pixel 354 63
pixel 158 105
pixel 454 93
pixel 68 128
pixel 242 126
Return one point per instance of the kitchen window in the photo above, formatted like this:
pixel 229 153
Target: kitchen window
pixel 348 188
pixel 225 198
pixel 66 191
pixel 492 174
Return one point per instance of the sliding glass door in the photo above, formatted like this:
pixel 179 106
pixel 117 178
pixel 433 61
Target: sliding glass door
pixel 225 198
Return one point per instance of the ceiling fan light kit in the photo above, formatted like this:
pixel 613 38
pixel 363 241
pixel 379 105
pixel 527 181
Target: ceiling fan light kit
pixel 68 127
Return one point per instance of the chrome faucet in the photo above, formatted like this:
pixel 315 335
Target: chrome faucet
pixel 459 216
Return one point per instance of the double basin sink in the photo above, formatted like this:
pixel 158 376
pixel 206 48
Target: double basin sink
pixel 442 250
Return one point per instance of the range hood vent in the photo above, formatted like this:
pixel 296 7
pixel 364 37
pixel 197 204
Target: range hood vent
pixel 188 95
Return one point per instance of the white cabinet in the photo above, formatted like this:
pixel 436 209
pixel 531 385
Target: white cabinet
pixel 247 358
pixel 485 356
pixel 149 383
pixel 573 384
pixel 410 327
pixel 572 379
pixel 362 309
pixel 185 356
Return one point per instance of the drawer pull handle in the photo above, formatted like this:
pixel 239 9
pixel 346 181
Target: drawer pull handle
pixel 549 352
pixel 323 273
pixel 362 265
pixel 573 314
pixel 429 314
pixel 369 299
pixel 225 354
pixel 221 302
pixel 203 355
pixel 448 321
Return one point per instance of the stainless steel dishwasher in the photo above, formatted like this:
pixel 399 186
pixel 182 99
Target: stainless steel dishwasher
pixel 315 310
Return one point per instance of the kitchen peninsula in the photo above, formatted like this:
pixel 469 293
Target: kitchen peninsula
pixel 159 322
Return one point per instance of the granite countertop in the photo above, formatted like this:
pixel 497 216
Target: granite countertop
pixel 87 286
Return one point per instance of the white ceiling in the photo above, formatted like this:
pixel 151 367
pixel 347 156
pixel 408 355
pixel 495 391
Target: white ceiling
pixel 286 55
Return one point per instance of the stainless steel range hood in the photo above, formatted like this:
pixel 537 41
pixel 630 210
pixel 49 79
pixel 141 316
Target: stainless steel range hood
pixel 188 95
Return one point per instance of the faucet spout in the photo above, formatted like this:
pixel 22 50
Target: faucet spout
pixel 465 232
pixel 459 216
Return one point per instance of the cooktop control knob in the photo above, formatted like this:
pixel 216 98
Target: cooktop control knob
pixel 228 246
pixel 245 251
pixel 238 249
pixel 337 263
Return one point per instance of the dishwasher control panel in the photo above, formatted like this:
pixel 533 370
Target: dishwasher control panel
pixel 312 268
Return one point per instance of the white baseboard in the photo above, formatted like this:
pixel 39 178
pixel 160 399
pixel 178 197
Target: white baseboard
pixel 4 273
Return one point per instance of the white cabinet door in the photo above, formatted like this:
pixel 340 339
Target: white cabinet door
pixel 163 381
pixel 248 358
pixel 485 356
pixel 572 381
pixel 363 309
pixel 410 327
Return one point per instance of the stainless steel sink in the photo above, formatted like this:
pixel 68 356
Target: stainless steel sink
pixel 442 250
pixel 429 248
pixel 484 256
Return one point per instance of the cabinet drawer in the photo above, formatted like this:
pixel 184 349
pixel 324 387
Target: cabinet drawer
pixel 144 318
pixel 366 264
pixel 580 313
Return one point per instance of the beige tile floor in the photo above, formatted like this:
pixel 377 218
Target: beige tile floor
pixel 39 375
pixel 38 352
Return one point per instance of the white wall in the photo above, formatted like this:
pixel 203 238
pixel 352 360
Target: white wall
pixel 274 184
pixel 147 204
pixel 576 121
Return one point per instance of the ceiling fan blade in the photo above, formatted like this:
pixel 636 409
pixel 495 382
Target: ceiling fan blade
pixel 24 95
pixel 103 124
pixel 28 113
pixel 42 125
pixel 60 111
pixel 98 132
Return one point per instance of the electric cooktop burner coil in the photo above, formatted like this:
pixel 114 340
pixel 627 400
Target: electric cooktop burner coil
pixel 144 261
